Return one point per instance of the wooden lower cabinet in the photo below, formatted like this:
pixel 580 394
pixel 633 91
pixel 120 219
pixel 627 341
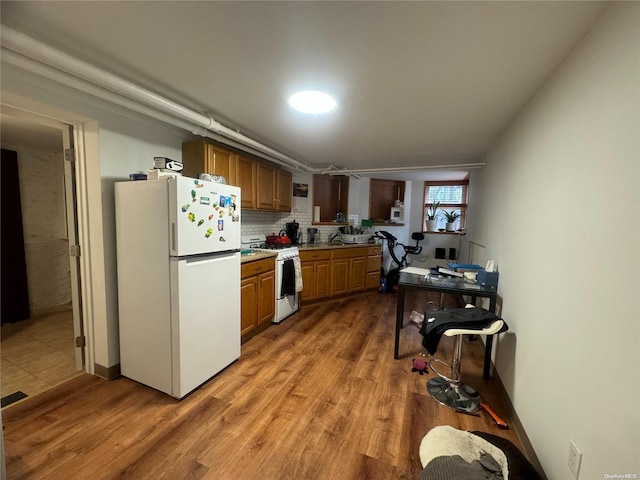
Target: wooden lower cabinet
pixel 339 276
pixel 257 290
pixel 316 279
pixel 352 270
pixel 374 262
pixel 357 274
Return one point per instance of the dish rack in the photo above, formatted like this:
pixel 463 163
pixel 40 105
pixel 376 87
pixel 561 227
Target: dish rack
pixel 355 238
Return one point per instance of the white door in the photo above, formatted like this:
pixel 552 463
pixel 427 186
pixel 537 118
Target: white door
pixel 74 247
pixel 205 324
pixel 205 216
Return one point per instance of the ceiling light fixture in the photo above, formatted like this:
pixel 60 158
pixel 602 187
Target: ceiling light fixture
pixel 313 102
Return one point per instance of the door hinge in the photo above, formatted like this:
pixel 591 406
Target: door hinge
pixel 81 341
pixel 74 250
pixel 69 155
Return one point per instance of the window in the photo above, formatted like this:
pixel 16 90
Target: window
pixel 383 194
pixel 453 196
pixel 330 193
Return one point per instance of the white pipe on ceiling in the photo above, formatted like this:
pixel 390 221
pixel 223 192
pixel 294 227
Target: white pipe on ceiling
pixel 30 54
pixel 356 171
pixel 35 50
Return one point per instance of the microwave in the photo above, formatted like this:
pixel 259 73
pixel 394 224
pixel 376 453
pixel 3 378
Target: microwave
pixel 397 215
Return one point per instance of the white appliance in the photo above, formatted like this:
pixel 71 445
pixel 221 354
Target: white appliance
pixel 397 215
pixel 178 242
pixel 286 304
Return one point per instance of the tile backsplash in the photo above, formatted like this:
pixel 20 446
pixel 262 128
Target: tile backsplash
pixel 266 223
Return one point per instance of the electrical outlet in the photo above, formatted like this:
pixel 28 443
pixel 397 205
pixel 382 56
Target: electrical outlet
pixel 575 458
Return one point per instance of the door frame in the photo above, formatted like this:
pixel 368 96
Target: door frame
pixel 75 135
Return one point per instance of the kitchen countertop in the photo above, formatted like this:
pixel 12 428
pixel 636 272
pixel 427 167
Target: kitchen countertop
pixel 328 246
pixel 253 256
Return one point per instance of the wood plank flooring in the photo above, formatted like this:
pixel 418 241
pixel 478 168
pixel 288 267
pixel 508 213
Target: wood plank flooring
pixel 316 397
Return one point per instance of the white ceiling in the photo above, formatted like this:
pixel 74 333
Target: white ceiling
pixel 419 83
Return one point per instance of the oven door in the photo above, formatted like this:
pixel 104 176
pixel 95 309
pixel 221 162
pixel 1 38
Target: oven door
pixel 286 296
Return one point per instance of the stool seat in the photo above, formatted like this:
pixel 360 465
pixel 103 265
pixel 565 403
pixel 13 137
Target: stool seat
pixel 492 329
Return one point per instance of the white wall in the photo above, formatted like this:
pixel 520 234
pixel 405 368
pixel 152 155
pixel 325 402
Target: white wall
pixel 558 208
pixel 41 177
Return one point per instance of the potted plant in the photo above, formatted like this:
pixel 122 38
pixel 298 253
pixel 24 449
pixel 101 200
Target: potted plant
pixel 450 218
pixel 432 222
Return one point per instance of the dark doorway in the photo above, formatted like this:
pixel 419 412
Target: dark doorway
pixel 15 292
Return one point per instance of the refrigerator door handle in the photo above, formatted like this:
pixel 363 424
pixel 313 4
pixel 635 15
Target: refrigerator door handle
pixel 173 236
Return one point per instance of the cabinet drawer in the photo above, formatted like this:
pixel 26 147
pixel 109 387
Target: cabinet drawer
pixel 373 263
pixel 259 266
pixel 373 280
pixel 312 255
pixel 350 252
pixel 375 250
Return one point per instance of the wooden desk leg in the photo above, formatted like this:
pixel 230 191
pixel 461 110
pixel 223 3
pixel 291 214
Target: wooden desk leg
pixel 399 317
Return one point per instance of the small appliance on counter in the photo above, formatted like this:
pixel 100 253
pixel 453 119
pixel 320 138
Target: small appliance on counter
pixel 292 232
pixel 313 236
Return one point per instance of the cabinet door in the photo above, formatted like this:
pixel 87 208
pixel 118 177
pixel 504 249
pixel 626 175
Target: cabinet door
pixel 323 278
pixel 246 176
pixel 249 304
pixel 339 277
pixel 266 188
pixel 221 162
pixel 266 297
pixel 308 281
pixel 194 158
pixel 357 273
pixel 285 190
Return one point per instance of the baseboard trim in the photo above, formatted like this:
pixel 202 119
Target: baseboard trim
pixel 108 373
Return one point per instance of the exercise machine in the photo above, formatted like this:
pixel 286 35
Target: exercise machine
pixel 389 282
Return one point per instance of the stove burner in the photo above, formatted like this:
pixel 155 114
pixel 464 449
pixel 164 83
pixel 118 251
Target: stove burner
pixel 265 246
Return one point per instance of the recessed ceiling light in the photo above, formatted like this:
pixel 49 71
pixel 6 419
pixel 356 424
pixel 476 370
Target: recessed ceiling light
pixel 313 102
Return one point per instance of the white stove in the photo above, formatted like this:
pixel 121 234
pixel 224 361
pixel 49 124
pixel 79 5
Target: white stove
pixel 286 303
pixel 259 243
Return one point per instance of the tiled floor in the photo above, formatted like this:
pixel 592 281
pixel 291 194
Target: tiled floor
pixel 37 353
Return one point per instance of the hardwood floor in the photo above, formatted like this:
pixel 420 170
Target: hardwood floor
pixel 316 397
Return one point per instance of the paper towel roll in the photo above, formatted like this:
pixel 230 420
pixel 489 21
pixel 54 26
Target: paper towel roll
pixel 316 213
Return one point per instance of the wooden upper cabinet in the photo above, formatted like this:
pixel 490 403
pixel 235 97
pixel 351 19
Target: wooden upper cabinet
pixel 266 180
pixel 330 193
pixel 274 188
pixel 246 177
pixel 284 189
pixel 222 162
pixel 264 186
pixel 204 157
pixel 382 196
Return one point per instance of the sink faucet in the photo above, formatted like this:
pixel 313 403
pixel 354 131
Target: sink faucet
pixel 333 237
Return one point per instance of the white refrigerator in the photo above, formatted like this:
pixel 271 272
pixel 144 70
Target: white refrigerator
pixel 178 251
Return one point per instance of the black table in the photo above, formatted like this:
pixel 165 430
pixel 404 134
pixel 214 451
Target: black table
pixel 442 284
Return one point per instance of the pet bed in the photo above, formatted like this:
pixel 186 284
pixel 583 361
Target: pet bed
pixel 447 453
